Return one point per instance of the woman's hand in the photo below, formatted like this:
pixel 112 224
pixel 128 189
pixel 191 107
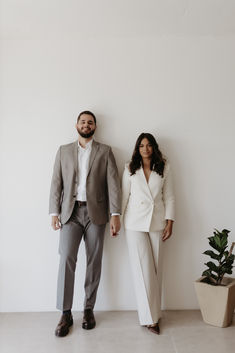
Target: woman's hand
pixel 167 230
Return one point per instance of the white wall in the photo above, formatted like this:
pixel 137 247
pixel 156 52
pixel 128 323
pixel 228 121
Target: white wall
pixel 165 67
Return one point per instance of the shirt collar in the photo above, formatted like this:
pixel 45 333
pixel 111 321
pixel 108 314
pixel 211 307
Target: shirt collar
pixel 87 147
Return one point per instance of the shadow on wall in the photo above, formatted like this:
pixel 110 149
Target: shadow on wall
pixel 179 267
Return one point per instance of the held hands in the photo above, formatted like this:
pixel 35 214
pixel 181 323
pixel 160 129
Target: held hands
pixel 115 225
pixel 55 222
pixel 167 230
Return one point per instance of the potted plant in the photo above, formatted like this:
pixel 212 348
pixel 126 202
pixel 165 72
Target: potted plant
pixel 215 292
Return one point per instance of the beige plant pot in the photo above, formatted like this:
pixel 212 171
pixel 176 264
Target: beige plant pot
pixel 216 302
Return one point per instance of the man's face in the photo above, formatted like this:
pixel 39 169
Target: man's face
pixel 86 125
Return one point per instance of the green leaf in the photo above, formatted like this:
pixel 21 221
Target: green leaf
pixel 213 244
pixel 224 241
pixel 226 254
pixel 208 280
pixel 217 241
pixel 214 276
pixel 227 265
pixel 206 273
pixel 225 231
pixel 227 269
pixel 212 266
pixel 212 254
pixel 232 257
pixel 229 261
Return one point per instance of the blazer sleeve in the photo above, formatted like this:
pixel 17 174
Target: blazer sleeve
pixel 168 195
pixel 114 189
pixel 56 186
pixel 126 187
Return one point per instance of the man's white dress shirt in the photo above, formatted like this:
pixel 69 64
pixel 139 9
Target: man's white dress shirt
pixel 83 164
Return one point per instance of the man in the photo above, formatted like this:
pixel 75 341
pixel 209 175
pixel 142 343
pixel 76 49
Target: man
pixel 85 189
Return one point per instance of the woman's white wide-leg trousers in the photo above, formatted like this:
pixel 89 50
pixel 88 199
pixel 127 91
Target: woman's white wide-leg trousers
pixel 146 264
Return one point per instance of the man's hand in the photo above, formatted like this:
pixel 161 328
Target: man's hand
pixel 55 222
pixel 168 230
pixel 115 225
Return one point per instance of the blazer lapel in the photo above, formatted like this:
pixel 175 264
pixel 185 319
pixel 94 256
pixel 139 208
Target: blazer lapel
pixel 75 156
pixel 94 149
pixel 144 181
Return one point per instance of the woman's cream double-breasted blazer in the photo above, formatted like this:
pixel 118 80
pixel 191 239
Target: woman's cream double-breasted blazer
pixel 147 205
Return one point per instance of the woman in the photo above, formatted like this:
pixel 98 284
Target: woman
pixel 148 214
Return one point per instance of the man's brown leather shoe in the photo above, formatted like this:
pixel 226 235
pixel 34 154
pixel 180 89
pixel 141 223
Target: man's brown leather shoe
pixel 88 319
pixel 155 329
pixel 62 329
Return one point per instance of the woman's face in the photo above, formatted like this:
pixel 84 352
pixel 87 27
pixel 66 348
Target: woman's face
pixel 145 148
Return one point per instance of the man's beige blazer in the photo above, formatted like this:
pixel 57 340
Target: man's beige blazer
pixel 147 205
pixel 102 184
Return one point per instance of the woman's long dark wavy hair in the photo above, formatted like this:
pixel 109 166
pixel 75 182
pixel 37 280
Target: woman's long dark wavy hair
pixel 157 163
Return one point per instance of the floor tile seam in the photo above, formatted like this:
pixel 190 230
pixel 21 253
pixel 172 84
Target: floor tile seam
pixel 173 341
pixel 177 327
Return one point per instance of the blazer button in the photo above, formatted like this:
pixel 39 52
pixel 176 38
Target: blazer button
pixel 74 195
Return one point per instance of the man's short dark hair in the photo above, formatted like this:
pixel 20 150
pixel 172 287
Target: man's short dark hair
pixel 88 113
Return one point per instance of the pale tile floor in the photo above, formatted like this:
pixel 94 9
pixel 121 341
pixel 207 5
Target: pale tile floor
pixel 116 332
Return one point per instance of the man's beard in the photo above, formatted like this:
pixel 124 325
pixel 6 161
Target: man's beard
pixel 87 135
